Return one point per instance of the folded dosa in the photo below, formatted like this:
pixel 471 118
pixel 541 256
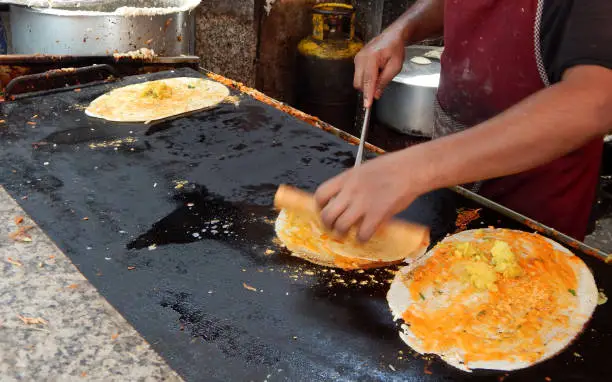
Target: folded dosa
pixel 300 229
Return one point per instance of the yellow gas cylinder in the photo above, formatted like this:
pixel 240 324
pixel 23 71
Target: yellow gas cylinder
pixel 325 66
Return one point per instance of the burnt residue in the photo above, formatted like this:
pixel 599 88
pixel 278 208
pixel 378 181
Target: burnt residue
pixel 54 79
pixel 222 332
pixel 358 292
pixel 87 130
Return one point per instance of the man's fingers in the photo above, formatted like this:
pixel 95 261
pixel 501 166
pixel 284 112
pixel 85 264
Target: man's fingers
pixel 349 218
pixel 370 79
pixel 358 78
pixel 390 70
pixel 334 209
pixel 328 190
pixel 369 225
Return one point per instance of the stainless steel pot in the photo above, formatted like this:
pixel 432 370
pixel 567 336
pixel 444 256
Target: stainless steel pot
pixel 100 28
pixel 407 102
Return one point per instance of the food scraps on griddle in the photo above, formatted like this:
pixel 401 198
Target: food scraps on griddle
pixel 248 287
pixel 32 320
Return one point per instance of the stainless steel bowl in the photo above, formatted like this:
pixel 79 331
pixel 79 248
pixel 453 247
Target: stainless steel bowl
pixel 407 102
pixel 93 31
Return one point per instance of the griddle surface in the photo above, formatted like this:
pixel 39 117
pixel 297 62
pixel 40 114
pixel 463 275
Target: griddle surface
pixel 194 244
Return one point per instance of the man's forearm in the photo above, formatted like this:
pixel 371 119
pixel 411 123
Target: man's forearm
pixel 424 19
pixel 545 126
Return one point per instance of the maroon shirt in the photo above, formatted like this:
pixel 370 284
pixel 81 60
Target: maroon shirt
pixel 493 60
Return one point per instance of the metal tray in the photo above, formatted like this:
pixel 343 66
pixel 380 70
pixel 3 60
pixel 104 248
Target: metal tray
pixel 99 28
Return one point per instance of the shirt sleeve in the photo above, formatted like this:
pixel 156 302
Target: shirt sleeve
pixel 576 32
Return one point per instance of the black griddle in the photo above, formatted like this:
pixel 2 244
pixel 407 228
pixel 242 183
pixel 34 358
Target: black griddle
pixel 179 217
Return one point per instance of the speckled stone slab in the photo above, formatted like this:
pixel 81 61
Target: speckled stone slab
pixel 54 326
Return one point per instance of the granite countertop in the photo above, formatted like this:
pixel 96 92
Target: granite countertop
pixel 54 325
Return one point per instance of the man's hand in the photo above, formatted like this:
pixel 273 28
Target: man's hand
pixel 367 195
pixel 382 59
pixel 543 127
pixel 377 63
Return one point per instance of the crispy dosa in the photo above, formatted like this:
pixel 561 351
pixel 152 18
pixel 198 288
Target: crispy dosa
pixel 155 100
pixel 493 299
pixel 300 229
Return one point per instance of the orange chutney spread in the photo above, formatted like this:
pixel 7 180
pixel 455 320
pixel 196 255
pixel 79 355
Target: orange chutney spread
pixel 515 290
pixel 308 233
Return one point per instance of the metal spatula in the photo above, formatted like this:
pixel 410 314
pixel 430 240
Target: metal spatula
pixel 364 134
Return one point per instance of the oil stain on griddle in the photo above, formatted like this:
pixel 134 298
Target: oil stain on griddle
pixel 203 215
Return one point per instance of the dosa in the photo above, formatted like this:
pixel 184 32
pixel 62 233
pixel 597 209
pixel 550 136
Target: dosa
pixel 300 229
pixel 155 100
pixel 493 299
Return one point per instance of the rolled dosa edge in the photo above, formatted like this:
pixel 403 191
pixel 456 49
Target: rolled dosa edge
pixel 393 242
pixel 294 199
